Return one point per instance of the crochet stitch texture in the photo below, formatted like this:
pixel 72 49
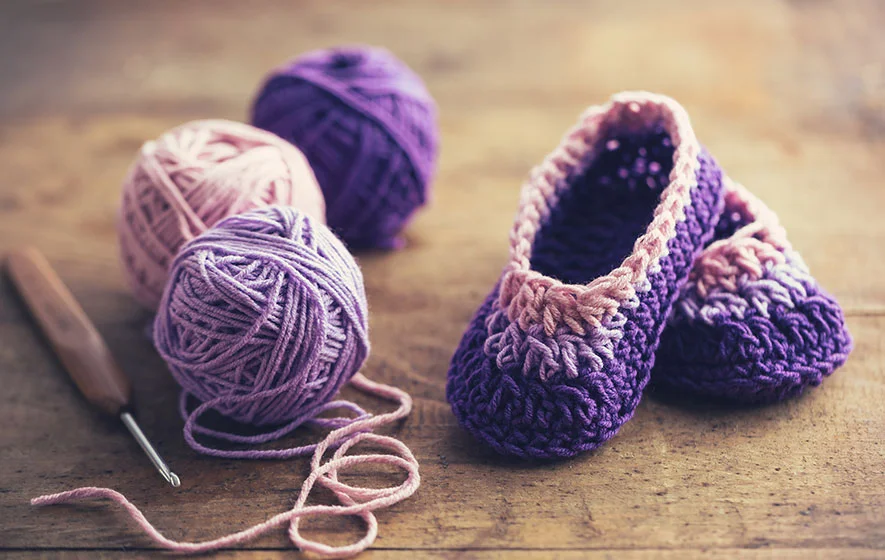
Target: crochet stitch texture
pixel 555 360
pixel 752 325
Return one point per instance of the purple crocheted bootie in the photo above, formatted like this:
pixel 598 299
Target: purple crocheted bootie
pixel 751 325
pixel 555 360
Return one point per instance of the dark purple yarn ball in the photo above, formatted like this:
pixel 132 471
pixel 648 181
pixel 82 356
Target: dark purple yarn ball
pixel 368 127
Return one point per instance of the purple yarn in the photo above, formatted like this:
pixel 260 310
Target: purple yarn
pixel 368 127
pixel 506 404
pixel 762 341
pixel 263 319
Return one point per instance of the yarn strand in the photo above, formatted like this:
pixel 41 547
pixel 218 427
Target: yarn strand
pixel 192 427
pixel 355 500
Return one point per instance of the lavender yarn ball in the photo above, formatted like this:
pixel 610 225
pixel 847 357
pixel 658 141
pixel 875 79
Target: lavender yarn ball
pixel 264 317
pixel 368 127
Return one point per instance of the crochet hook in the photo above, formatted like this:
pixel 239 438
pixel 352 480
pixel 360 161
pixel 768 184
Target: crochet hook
pixel 78 344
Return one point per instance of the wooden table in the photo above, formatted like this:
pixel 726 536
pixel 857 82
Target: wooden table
pixel 790 96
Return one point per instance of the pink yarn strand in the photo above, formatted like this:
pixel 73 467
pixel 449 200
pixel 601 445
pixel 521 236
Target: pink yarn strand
pixel 354 500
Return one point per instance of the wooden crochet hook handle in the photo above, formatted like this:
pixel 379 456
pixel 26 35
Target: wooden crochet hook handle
pixel 78 344
pixel 69 331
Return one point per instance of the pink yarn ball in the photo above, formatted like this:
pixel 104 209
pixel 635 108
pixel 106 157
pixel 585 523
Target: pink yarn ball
pixel 193 176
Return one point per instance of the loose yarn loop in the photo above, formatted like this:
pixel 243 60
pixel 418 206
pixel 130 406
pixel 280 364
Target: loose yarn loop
pixel 193 176
pixel 368 126
pixel 355 500
pixel 263 319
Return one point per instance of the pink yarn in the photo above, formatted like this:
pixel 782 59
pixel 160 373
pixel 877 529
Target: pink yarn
pixel 193 176
pixel 355 500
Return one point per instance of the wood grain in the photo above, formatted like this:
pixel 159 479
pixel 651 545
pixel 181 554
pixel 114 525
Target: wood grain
pixel 789 96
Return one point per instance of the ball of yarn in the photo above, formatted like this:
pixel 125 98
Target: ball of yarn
pixel 264 317
pixel 193 176
pixel 368 126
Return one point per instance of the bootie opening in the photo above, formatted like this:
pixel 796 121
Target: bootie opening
pixel 596 223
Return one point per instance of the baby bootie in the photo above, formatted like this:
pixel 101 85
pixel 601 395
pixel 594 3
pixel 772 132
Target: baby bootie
pixel 751 325
pixel 555 361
